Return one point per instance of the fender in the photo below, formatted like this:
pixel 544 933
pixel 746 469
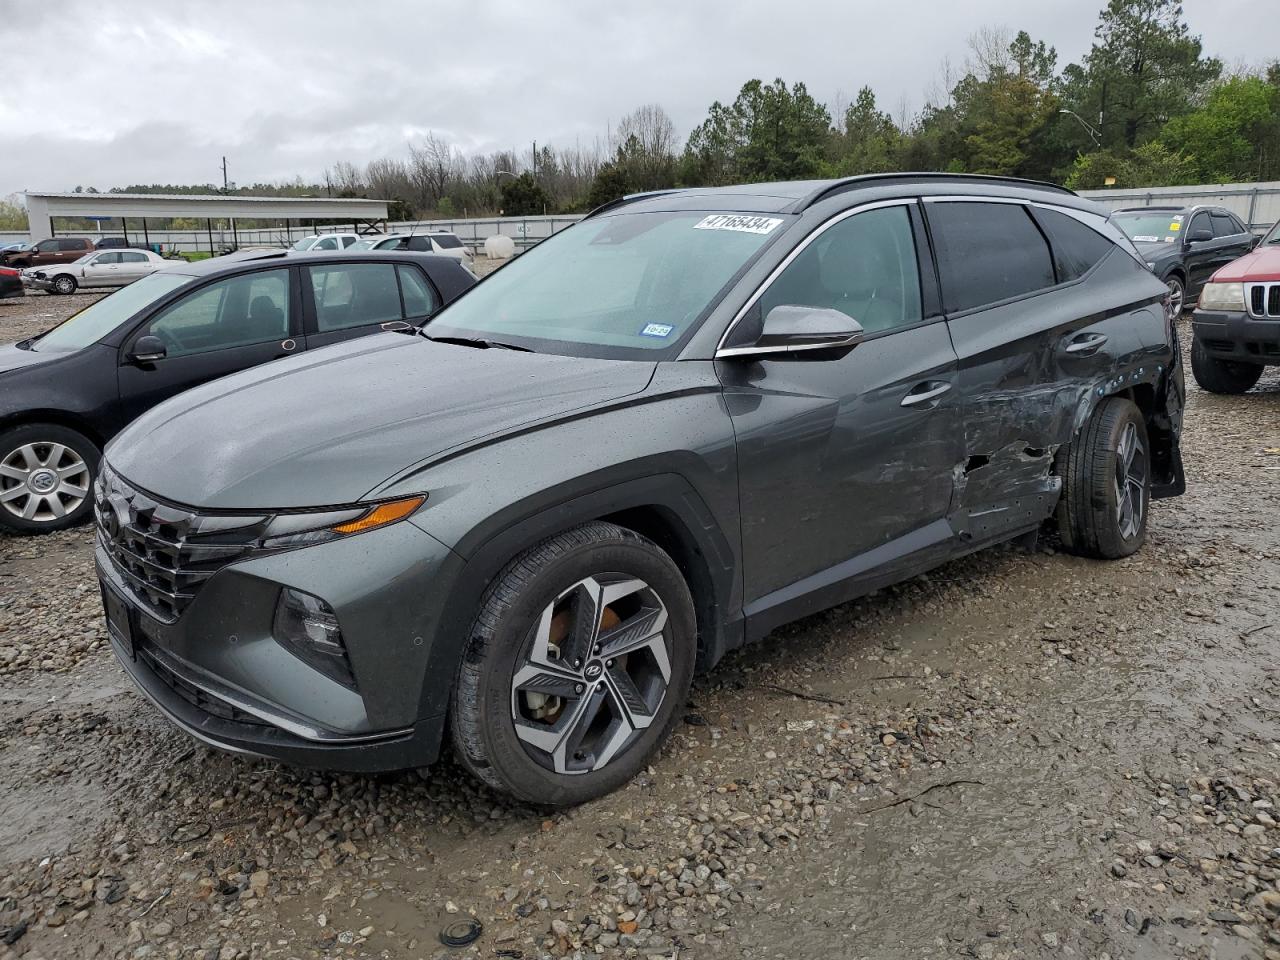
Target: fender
pixel 676 513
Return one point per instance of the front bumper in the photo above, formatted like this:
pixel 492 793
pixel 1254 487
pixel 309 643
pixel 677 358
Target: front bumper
pixel 1237 336
pixel 37 283
pixel 217 672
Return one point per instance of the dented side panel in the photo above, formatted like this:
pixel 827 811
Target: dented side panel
pixel 1027 391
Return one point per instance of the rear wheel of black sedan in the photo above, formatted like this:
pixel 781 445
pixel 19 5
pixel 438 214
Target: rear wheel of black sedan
pixel 1106 483
pixel 578 664
pixel 46 478
pixel 1222 376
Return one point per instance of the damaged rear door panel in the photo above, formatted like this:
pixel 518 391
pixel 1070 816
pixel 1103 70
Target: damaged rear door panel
pixel 1042 331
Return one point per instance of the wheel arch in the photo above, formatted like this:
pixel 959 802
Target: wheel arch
pixel 59 418
pixel 665 508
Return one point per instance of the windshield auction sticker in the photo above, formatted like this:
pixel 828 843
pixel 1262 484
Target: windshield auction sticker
pixel 738 223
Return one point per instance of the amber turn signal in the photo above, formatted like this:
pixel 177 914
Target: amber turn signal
pixel 381 515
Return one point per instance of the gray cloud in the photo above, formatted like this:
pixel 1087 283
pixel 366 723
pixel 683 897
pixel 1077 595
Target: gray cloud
pixel 115 93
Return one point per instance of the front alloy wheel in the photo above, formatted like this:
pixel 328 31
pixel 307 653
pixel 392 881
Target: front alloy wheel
pixel 579 660
pixel 1177 297
pixel 46 474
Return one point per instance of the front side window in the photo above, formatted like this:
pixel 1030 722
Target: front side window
pixel 328 243
pixel 103 316
pixel 623 286
pixel 864 266
pixel 47 246
pixel 103 259
pixel 250 308
pixel 987 252
pixel 1200 222
pixel 354 294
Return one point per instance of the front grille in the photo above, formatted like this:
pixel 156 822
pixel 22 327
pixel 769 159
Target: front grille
pixel 201 699
pixel 163 552
pixel 1264 300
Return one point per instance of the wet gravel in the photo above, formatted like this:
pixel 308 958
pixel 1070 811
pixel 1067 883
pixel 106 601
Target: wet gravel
pixel 1017 755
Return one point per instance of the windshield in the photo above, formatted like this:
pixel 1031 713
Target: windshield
pixel 304 244
pixel 620 286
pixel 101 317
pixel 1273 235
pixel 1164 226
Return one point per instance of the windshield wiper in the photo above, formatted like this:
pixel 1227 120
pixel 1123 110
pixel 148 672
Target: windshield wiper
pixel 480 342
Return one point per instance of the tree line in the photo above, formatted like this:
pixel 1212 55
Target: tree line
pixel 1144 107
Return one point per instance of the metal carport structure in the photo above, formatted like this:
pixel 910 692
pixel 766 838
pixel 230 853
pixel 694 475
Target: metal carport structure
pixel 42 208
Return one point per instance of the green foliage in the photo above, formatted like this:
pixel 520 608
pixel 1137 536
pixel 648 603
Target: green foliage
pixel 522 196
pixel 1151 165
pixel 769 132
pixel 870 141
pixel 13 215
pixel 611 182
pixel 1234 135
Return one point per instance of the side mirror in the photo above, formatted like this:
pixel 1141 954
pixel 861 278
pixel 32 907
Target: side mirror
pixel 791 329
pixel 1199 236
pixel 148 349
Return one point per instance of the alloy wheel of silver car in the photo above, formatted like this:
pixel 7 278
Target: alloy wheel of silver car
pixel 64 285
pixel 593 673
pixel 1131 481
pixel 43 482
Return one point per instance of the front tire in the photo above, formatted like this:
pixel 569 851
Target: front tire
pixel 64 285
pixel 1106 478
pixel 46 478
pixel 1177 296
pixel 578 664
pixel 1222 376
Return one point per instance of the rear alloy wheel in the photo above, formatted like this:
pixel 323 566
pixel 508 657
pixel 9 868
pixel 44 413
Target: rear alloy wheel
pixel 578 664
pixel 1106 483
pixel 1177 297
pixel 1222 376
pixel 64 285
pixel 46 478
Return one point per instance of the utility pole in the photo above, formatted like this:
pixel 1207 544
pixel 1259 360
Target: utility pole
pixel 224 176
pixel 535 161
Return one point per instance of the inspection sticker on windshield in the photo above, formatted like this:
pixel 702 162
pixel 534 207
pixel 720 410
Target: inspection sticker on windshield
pixel 737 222
pixel 657 330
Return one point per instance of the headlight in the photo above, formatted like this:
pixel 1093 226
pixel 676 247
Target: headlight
pixel 305 529
pixel 1222 296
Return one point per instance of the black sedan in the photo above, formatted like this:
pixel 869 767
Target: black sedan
pixel 66 392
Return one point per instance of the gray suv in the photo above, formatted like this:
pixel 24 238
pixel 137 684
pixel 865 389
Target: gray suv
pixel 691 418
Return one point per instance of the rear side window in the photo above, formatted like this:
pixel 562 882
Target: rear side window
pixel 419 298
pixel 133 258
pixel 354 294
pixel 328 243
pixel 446 240
pixel 987 252
pixel 74 245
pixel 348 241
pixel 1222 225
pixel 1076 248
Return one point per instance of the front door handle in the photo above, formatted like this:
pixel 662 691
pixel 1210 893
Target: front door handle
pixel 1087 344
pixel 925 392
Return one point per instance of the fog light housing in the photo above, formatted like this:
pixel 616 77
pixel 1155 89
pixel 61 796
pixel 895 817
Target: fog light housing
pixel 308 628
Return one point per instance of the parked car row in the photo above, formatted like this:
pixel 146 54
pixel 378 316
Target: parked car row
pixel 108 268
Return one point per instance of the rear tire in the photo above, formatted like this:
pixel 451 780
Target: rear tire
pixel 577 668
pixel 1222 376
pixel 1106 479
pixel 46 478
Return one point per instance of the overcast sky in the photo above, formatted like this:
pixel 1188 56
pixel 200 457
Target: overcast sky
pixel 112 93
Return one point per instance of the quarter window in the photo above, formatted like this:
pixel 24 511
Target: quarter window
pixel 354 294
pixel 419 299
pixel 250 308
pixel 864 266
pixel 1076 248
pixel 988 252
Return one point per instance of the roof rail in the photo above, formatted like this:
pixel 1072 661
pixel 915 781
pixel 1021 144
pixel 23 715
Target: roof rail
pixel 850 183
pixel 629 198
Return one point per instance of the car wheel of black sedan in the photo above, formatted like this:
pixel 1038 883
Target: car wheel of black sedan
pixel 1106 477
pixel 1222 376
pixel 577 666
pixel 46 478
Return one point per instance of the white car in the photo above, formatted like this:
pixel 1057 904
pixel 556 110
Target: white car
pixel 103 268
pixel 327 241
pixel 437 241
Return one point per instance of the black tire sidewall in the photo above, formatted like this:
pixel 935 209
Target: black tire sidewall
pixel 1222 376
pixel 50 433
pixel 1117 414
pixel 504 751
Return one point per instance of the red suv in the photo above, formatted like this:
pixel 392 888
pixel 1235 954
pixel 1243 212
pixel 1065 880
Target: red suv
pixel 1237 322
pixel 53 250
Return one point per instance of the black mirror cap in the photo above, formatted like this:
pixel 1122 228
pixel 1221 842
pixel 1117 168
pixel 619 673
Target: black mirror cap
pixel 791 329
pixel 148 349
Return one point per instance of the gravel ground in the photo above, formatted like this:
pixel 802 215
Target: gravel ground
pixel 1018 755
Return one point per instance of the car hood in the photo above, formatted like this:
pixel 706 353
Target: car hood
pixel 329 426
pixel 1262 264
pixel 11 358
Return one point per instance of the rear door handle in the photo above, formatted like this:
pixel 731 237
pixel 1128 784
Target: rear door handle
pixel 1085 345
pixel 925 392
